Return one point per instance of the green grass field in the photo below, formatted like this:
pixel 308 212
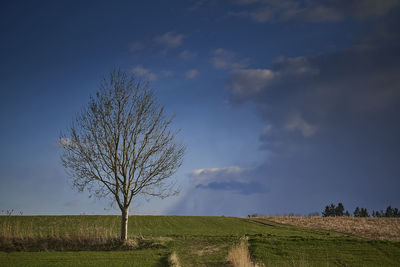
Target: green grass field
pixel 198 241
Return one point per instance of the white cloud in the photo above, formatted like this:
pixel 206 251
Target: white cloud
pixel 297 66
pixel 224 59
pixel 169 40
pixel 219 175
pixel 190 74
pixel 139 70
pixel 250 81
pixel 296 122
pixel 187 55
pixel 142 72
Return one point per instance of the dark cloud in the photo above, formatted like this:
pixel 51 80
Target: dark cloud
pixel 317 90
pixel 234 179
pixel 331 134
pixel 315 11
pixel 236 187
pixel 332 124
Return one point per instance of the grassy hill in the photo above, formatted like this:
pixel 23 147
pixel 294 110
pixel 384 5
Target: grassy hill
pixel 197 241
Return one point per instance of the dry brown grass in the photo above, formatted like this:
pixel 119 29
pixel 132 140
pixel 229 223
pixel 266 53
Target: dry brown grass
pixel 17 237
pixel 174 260
pixel 239 255
pixel 376 228
pixel 15 229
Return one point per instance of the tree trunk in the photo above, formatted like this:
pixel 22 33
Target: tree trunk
pixel 124 224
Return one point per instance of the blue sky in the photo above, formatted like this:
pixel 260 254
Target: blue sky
pixel 285 106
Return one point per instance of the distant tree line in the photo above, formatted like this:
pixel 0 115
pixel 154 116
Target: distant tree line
pixel 332 211
pixel 390 212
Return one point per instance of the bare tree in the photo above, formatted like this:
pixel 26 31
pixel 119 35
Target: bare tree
pixel 121 145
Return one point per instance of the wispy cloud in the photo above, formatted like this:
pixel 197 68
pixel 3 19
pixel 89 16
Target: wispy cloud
pixel 140 71
pixel 262 15
pixel 137 46
pixel 296 122
pixel 187 55
pixel 190 74
pixel 197 5
pixel 313 11
pixel 245 2
pixel 250 82
pixel 169 40
pixel 225 59
pixel 164 42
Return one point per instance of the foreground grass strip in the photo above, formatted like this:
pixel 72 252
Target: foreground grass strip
pixel 198 241
pixel 61 244
pixel 324 251
pixel 139 258
pixel 202 250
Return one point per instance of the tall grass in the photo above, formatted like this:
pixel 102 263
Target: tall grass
pixel 173 260
pixel 29 235
pixel 29 229
pixel 239 255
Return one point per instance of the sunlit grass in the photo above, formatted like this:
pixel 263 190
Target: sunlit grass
pixel 190 241
pixel 376 228
pixel 239 255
